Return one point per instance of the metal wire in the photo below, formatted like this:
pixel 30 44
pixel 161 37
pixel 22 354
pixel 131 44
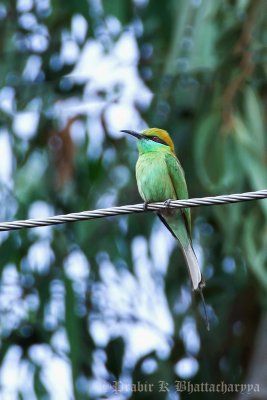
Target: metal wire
pixel 136 208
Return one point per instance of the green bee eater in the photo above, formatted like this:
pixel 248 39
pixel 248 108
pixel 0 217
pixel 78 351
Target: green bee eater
pixel 160 177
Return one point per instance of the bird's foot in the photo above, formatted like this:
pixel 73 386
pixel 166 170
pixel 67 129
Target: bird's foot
pixel 167 203
pixel 145 206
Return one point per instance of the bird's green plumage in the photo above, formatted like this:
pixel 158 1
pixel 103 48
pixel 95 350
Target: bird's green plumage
pixel 160 177
pixel 153 180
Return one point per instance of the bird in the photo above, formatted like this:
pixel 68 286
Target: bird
pixel 160 178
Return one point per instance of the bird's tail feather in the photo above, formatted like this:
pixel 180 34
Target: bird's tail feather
pixel 193 267
pixel 196 276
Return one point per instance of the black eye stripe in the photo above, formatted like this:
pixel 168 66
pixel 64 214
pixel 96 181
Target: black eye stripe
pixel 158 140
pixel 155 139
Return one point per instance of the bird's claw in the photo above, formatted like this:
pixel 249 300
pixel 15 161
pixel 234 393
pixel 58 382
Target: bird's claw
pixel 145 205
pixel 167 203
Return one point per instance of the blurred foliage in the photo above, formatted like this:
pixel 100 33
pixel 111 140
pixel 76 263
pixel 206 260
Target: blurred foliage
pixel 204 62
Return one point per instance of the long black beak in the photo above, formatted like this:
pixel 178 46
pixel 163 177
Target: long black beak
pixel 133 133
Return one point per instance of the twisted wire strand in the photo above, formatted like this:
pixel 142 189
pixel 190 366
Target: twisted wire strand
pixel 135 208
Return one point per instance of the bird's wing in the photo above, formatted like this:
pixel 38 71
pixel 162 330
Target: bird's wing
pixel 176 174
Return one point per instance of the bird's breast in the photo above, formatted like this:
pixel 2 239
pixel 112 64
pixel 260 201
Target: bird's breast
pixel 153 180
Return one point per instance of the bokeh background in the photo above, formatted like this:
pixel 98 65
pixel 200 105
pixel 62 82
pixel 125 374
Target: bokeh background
pixel 85 304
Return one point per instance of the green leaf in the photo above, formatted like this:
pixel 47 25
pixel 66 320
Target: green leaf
pixel 257 257
pixel 115 353
pixel 120 9
pixel 215 155
pixel 250 157
pixel 254 117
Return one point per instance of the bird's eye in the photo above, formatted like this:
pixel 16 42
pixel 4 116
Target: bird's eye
pixel 158 140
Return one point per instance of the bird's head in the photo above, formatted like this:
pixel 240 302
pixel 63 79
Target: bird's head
pixel 153 138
